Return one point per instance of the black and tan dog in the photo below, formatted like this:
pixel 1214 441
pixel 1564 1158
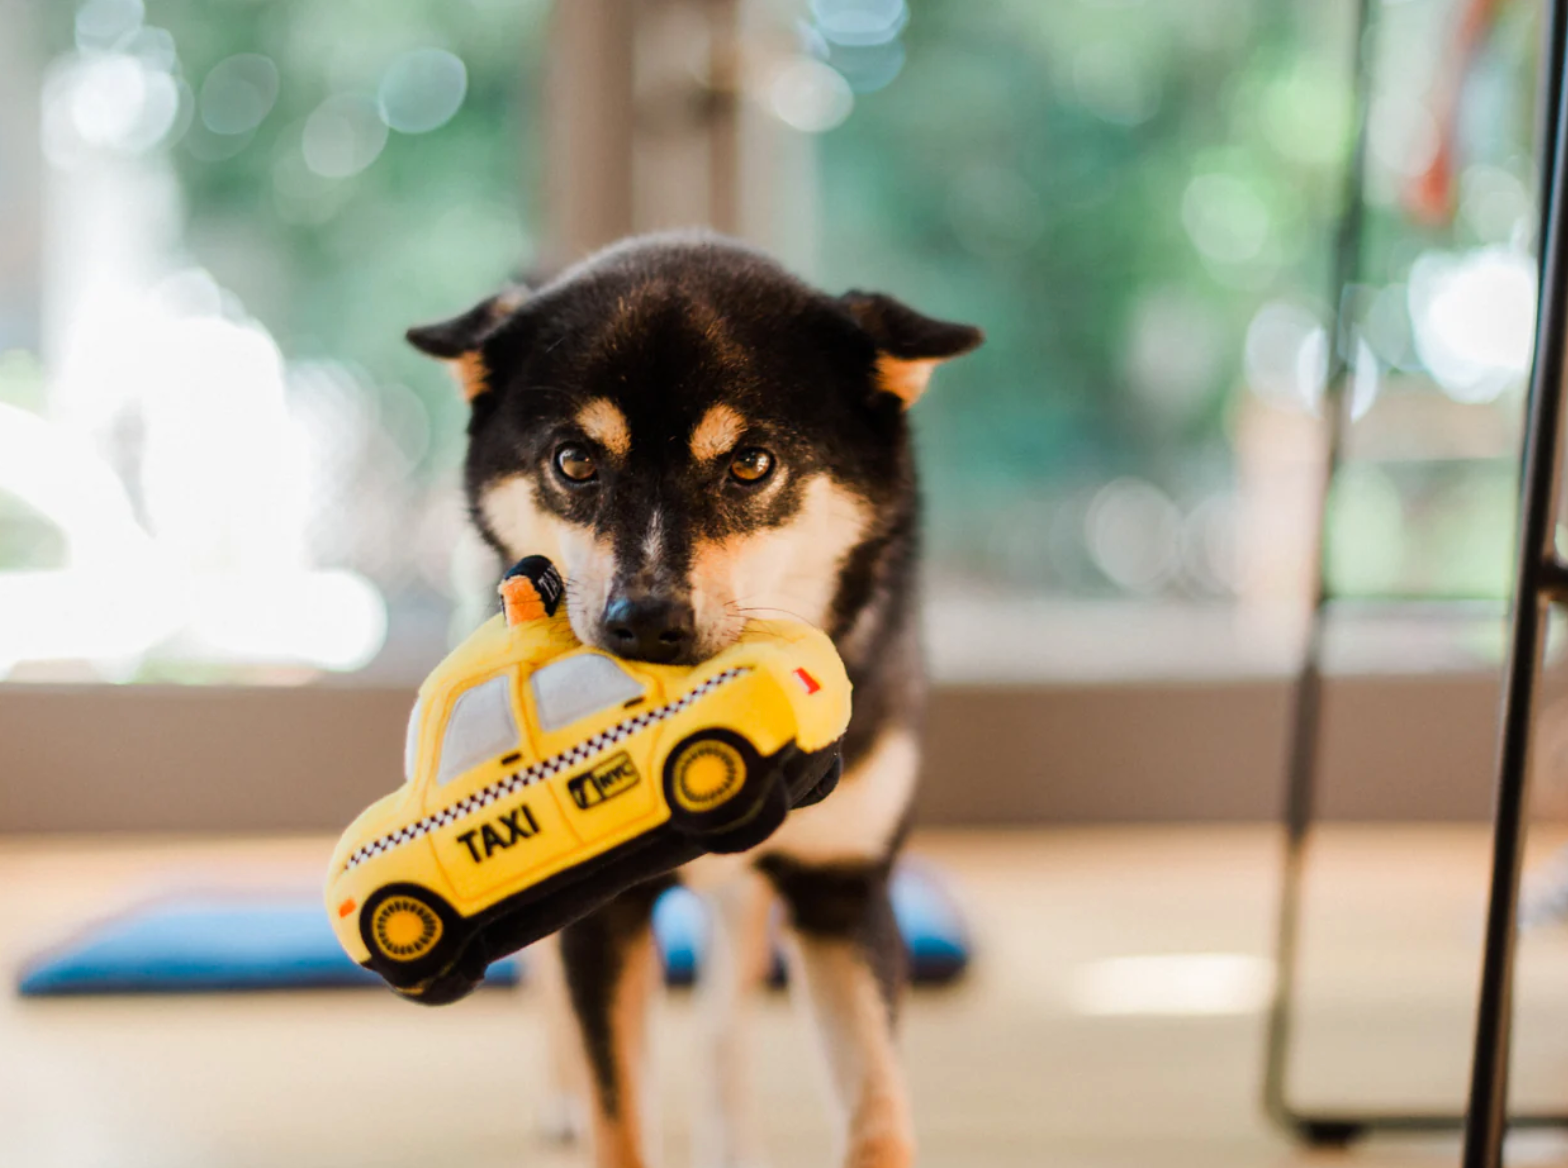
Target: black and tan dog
pixel 698 438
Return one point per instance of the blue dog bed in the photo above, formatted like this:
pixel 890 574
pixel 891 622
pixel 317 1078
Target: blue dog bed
pixel 210 943
pixel 935 937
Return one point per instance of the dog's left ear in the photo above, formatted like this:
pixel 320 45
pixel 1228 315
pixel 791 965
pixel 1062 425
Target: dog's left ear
pixel 460 340
pixel 909 345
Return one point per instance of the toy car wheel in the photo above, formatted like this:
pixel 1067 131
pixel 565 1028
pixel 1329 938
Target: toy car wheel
pixel 711 782
pixel 411 933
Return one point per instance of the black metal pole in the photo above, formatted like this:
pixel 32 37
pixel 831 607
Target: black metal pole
pixel 1538 576
pixel 1554 43
pixel 1301 779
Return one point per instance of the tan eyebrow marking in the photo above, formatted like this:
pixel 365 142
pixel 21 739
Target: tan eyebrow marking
pixel 717 433
pixel 602 421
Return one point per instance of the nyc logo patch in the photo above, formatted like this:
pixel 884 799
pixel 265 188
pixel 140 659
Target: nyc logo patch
pixel 614 776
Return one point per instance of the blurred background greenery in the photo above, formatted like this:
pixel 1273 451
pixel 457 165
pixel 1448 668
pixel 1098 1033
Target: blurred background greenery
pixel 1120 192
pixel 1137 199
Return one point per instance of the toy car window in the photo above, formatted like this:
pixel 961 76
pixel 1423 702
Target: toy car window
pixel 579 686
pixel 481 726
pixel 411 741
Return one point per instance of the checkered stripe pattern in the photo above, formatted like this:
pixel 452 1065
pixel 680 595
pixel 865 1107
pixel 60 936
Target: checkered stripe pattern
pixel 539 771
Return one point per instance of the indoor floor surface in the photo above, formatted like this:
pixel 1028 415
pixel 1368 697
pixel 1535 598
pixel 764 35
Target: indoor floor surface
pixel 1114 1019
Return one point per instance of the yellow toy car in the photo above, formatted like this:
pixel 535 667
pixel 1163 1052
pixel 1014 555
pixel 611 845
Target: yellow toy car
pixel 544 776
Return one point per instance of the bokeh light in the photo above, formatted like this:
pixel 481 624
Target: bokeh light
pixel 860 22
pixel 342 136
pixel 1225 218
pixel 1369 536
pixel 1210 545
pixel 238 93
pixel 1496 205
pixel 1174 351
pixel 1285 355
pixel 1134 534
pixel 1306 113
pixel 868 68
pixel 1366 380
pixel 811 96
pixel 1474 316
pixel 107 24
pixel 1112 83
pixel 107 101
pixel 1386 328
pixel 422 90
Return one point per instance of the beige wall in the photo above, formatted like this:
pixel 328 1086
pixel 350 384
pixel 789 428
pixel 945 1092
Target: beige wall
pixel 155 758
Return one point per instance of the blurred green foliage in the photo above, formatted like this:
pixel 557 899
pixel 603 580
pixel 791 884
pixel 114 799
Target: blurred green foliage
pixel 1053 171
pixel 340 267
pixel 1110 188
pixel 1027 172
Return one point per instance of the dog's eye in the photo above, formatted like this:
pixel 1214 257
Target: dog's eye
pixel 576 464
pixel 751 466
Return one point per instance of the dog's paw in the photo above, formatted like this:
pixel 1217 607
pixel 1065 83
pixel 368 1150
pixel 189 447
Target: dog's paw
pixel 881 1152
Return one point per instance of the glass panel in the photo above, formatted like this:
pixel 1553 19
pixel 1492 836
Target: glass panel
pixel 1142 214
pixel 203 383
pixel 579 686
pixel 480 727
pixel 244 213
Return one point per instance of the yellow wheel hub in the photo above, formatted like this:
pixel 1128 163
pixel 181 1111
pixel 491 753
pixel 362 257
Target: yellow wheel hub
pixel 706 774
pixel 405 928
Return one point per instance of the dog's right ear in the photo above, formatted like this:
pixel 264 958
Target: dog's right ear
pixel 909 344
pixel 460 341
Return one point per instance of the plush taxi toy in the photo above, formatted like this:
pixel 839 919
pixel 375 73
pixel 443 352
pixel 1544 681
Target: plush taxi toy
pixel 544 776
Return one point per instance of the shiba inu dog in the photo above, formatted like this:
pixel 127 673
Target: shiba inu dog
pixel 697 438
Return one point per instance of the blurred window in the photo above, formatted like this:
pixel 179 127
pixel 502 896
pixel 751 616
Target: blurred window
pixel 1139 202
pixel 202 387
pixel 243 207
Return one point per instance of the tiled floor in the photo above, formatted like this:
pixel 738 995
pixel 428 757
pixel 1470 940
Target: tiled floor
pixel 1113 1019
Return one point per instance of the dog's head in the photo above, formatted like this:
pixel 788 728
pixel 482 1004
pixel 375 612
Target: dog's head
pixel 695 436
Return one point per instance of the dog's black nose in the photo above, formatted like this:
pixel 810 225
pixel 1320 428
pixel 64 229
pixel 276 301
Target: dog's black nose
pixel 650 629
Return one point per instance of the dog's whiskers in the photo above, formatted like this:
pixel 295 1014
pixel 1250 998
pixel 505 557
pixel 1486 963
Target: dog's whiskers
pixel 746 611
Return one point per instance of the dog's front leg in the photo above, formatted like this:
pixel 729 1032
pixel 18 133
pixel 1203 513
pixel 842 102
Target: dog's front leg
pixel 734 965
pixel 562 1112
pixel 848 961
pixel 610 967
